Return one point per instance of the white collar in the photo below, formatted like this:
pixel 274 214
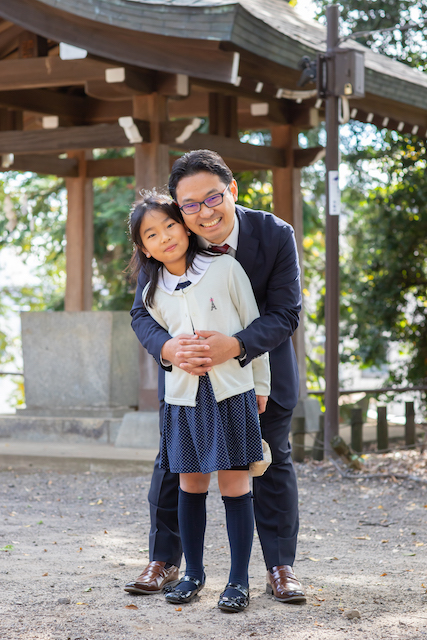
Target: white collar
pixel 232 240
pixel 168 281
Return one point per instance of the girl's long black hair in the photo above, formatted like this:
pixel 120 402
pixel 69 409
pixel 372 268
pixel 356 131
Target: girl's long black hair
pixel 153 200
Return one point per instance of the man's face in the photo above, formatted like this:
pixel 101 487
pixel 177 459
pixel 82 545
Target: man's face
pixel 214 224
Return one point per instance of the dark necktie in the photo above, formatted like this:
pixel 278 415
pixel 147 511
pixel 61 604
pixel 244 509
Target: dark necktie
pixel 219 248
pixel 182 285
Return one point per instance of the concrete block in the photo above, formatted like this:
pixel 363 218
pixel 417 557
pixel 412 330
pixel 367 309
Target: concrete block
pixel 139 429
pixel 309 409
pixel 83 363
pixel 57 429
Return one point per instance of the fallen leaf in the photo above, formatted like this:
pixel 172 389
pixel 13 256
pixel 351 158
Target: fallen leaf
pixel 99 501
pixel 40 522
pixel 320 599
pixel 7 547
pixel 178 608
pixel 81 602
pixel 380 506
pixel 105 531
pixel 384 541
pixel 318 624
pixel 316 605
pixel 44 574
pixel 314 559
pixel 405 553
pixel 88 589
pixel 131 606
pixel 383 574
pixel 79 549
pixel 361 537
pixel 419 544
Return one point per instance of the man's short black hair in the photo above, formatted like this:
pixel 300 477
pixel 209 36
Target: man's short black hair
pixel 195 162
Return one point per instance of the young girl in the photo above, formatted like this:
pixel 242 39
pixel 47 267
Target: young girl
pixel 211 422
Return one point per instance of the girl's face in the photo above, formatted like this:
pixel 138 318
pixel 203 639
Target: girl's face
pixel 165 239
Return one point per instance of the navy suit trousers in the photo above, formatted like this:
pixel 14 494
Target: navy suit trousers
pixel 275 499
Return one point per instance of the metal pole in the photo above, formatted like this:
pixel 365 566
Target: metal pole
pixel 332 231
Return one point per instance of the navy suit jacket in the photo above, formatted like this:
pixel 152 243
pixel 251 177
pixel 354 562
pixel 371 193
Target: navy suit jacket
pixel 267 252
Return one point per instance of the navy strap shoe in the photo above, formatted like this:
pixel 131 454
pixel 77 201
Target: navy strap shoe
pixel 182 593
pixel 234 604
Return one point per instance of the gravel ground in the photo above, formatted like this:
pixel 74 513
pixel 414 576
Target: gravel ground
pixel 69 543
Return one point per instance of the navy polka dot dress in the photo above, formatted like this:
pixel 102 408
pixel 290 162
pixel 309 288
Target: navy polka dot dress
pixel 212 435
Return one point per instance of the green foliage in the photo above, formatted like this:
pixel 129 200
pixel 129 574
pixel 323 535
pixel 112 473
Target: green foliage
pixel 384 255
pixel 386 282
pixel 368 15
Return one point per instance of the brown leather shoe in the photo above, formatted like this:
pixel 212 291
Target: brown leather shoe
pixel 283 584
pixel 153 579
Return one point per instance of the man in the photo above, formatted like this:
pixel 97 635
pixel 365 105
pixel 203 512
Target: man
pixel 204 188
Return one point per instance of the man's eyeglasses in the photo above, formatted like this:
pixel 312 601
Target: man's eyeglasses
pixel 212 201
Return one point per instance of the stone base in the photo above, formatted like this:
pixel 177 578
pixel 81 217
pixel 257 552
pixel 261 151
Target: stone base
pixel 59 429
pixel 309 409
pixel 75 412
pixel 139 429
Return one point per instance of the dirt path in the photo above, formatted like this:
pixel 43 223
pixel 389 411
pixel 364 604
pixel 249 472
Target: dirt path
pixel 362 546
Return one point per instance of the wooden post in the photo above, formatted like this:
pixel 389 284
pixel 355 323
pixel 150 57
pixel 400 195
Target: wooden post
pixel 79 235
pixel 151 159
pixel 382 429
pixel 287 201
pixel 298 436
pixel 318 448
pixel 357 430
pixel 223 115
pixel 410 424
pixel 151 170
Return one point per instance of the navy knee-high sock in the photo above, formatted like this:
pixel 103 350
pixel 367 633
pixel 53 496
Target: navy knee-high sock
pixel 192 526
pixel 240 529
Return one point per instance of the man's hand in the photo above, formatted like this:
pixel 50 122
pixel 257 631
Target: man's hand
pixel 262 403
pixel 220 348
pixel 197 363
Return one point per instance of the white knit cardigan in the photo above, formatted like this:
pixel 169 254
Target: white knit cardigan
pixel 222 301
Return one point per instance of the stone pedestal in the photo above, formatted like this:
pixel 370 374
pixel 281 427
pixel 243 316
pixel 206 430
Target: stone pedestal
pixel 80 364
pixel 139 429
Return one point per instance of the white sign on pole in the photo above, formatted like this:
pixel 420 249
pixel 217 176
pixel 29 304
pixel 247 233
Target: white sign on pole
pixel 334 194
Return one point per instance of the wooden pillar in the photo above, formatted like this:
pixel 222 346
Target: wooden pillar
pixel 151 159
pixel 151 170
pixel 287 202
pixel 223 115
pixel 79 235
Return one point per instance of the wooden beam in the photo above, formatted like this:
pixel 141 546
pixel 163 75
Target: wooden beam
pixel 120 83
pixel 50 71
pixel 31 45
pixel 111 167
pixel 46 164
pixel 74 109
pixel 305 157
pixel 173 85
pixel 228 148
pixel 90 137
pixel 46 102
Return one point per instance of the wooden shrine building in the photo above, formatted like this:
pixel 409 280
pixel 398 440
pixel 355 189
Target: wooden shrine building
pixel 81 75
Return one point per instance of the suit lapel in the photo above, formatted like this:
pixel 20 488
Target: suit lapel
pixel 248 244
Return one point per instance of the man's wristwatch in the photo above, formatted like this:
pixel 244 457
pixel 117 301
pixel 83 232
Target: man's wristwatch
pixel 242 355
